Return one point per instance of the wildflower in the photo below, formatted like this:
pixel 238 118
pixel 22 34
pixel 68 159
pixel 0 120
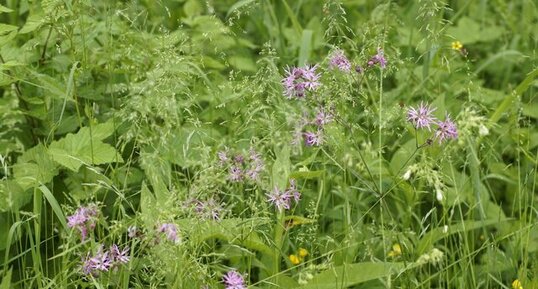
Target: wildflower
pixel 118 256
pixel 223 157
pixel 280 199
pixel 313 139
pixel 99 262
pixel 439 195
pixel 234 280
pixel 299 80
pixel 456 45
pixel 340 61
pixel 396 250
pixel 236 174
pixel 132 232
pixel 83 219
pixel 407 175
pixel 293 192
pixel 294 259
pixel 323 117
pixel 517 284
pixel 171 232
pixel 422 116
pixel 209 209
pixel 302 252
pixel 359 69
pixel 446 130
pixel 379 58
pixel 483 130
pixel 436 256
pixel 256 167
pixel 239 159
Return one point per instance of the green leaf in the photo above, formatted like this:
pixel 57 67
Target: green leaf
pixel 306 47
pixel 281 168
pixel 6 28
pixel 429 239
pixel 352 274
pixel 4 9
pixel 468 31
pixel 33 22
pixel 307 174
pixel 85 147
pixel 6 281
pixel 12 196
pixel 34 168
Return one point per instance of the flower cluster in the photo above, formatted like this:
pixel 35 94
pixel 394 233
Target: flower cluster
pixel 313 135
pixel 234 280
pixel 170 230
pixel 239 168
pixel 104 261
pixel 340 61
pixel 83 219
pixel 282 199
pixel 379 58
pixel 296 259
pixel 209 209
pixel 422 117
pixel 298 80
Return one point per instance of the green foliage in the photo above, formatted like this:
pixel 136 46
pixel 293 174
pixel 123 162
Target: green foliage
pixel 141 111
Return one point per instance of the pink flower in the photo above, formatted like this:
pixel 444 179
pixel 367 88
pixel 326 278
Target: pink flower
pixel 447 130
pixel 422 116
pixel 234 280
pixel 340 61
pixel 299 80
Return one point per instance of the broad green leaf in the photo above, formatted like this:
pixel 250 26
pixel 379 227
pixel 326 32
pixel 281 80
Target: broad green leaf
pixel 281 168
pixel 34 168
pixel 307 174
pixel 12 196
pixel 33 22
pixel 306 47
pixel 6 28
pixel 4 9
pixel 85 147
pixel 468 31
pixel 352 274
pixel 429 239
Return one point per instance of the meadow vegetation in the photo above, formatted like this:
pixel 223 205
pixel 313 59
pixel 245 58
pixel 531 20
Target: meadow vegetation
pixel 309 144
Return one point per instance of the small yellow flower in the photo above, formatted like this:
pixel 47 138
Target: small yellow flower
pixel 294 259
pixel 396 250
pixel 456 45
pixel 302 252
pixel 516 284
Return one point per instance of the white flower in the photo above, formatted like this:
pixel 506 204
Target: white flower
pixel 407 175
pixel 483 130
pixel 439 195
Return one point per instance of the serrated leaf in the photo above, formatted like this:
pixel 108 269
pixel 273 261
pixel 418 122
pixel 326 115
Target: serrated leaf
pixel 85 147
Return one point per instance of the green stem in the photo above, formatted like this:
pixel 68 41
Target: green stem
pixel 279 232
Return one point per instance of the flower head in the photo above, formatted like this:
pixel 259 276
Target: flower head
pixel 302 252
pixel 313 138
pixel 118 256
pixel 294 259
pixel 379 58
pixel 170 230
pixel 517 284
pixel 234 280
pixel 456 45
pixel 446 130
pixel 83 219
pixel 323 117
pixel 396 250
pixel 209 209
pixel 421 117
pixel 340 61
pixel 282 199
pixel 299 80
pixel 236 174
